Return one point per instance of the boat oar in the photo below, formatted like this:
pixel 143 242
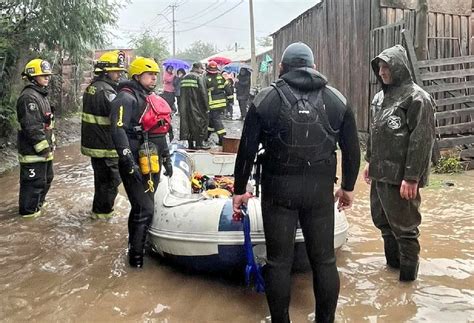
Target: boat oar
pixel 252 269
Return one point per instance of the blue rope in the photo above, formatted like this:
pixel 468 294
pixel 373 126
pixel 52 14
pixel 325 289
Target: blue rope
pixel 252 268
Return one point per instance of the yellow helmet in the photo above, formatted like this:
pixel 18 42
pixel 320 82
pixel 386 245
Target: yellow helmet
pixel 141 65
pixel 111 61
pixel 37 67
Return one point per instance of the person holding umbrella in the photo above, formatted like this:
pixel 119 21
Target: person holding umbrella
pixel 168 87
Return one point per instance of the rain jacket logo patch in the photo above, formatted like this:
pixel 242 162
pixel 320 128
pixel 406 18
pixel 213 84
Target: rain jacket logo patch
pixel 394 122
pixel 32 106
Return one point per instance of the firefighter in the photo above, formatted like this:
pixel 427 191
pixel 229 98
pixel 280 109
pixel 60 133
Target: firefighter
pixel 36 142
pixel 129 133
pixel 219 93
pixel 96 141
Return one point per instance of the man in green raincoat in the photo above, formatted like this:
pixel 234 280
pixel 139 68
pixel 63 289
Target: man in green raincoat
pixel 194 108
pixel 398 156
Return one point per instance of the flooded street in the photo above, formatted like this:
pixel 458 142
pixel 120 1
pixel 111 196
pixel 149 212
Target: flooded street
pixel 66 267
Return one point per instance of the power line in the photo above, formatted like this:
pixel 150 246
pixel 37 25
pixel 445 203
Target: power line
pixel 223 27
pixel 203 12
pixel 211 20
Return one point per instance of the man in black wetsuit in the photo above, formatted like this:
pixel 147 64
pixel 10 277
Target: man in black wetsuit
pixel 299 120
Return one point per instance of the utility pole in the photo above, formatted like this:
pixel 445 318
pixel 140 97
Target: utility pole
pixel 173 7
pixel 253 58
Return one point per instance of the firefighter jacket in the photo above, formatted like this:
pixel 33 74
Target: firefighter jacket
pixel 126 111
pixel 35 138
pixel 219 91
pixel 264 118
pixel 194 108
pixel 402 131
pixel 96 140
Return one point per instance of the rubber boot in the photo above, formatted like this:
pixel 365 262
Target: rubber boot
pixel 392 253
pixel 135 259
pixel 136 245
pixel 221 138
pixel 200 145
pixel 408 272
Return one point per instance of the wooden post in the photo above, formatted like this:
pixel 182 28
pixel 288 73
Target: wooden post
pixel 253 59
pixel 421 36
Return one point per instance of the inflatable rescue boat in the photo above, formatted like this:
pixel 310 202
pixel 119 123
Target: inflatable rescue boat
pixel 198 230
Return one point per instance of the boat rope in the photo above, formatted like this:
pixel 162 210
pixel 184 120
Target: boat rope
pixel 252 268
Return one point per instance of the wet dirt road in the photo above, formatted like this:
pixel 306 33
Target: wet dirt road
pixel 66 267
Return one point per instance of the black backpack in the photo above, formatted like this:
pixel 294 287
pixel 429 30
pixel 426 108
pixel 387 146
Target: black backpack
pixel 303 135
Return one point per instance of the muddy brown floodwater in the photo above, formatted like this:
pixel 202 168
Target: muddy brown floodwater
pixel 66 267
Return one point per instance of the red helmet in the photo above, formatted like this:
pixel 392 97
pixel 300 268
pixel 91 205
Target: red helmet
pixel 212 67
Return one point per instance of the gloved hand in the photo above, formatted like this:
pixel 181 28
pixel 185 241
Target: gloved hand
pixel 168 167
pixel 131 166
pixel 135 172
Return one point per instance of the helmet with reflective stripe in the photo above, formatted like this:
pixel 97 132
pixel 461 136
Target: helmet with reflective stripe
pixel 141 65
pixel 37 67
pixel 111 61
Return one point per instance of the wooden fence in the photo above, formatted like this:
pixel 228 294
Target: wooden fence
pixel 451 82
pixel 338 32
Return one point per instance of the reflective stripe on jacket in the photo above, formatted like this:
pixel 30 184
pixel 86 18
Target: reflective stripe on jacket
pixel 36 125
pixel 96 140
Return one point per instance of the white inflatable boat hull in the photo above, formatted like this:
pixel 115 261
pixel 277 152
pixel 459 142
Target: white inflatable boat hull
pixel 199 232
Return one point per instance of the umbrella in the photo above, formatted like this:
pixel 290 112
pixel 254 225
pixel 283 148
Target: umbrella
pixel 176 63
pixel 220 60
pixel 235 67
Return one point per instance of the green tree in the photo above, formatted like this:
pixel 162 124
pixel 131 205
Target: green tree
pixel 150 45
pixel 65 29
pixel 197 51
pixel 265 41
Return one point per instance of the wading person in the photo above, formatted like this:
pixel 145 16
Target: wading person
pixel 194 109
pixel 35 138
pixel 299 120
pixel 96 140
pixel 398 158
pixel 219 93
pixel 180 73
pixel 242 90
pixel 168 87
pixel 140 121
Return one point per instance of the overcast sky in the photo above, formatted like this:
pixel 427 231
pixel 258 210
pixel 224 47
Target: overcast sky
pixel 206 20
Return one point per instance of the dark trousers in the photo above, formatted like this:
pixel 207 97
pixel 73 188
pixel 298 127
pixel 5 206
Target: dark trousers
pixel 398 218
pixel 309 199
pixel 229 110
pixel 169 98
pixel 215 123
pixel 35 181
pixel 243 108
pixel 106 182
pixel 141 213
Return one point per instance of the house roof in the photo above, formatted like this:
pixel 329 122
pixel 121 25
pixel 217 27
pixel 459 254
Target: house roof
pixel 241 55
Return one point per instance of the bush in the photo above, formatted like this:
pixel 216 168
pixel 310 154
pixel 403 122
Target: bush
pixel 449 164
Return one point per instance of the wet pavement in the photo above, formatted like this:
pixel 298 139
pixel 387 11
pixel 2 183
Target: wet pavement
pixel 66 267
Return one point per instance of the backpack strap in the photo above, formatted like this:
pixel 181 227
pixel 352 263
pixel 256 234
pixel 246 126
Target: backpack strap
pixel 321 108
pixel 285 92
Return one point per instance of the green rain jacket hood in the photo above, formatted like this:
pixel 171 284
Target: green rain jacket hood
pixel 402 131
